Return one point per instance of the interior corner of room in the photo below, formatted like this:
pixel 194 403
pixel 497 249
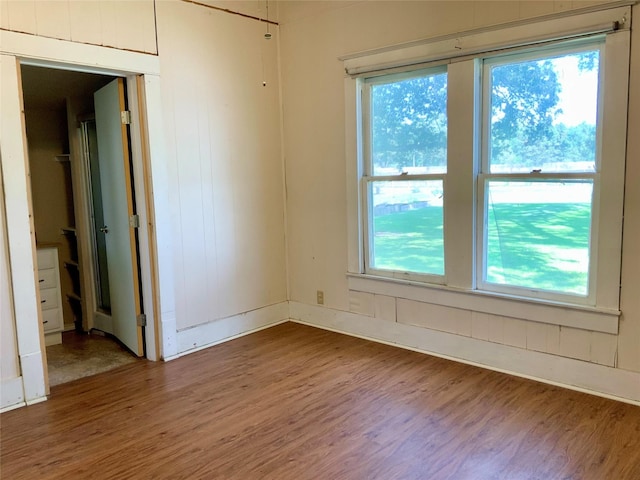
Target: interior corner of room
pixel 235 143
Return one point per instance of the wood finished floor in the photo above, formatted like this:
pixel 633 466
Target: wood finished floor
pixel 294 402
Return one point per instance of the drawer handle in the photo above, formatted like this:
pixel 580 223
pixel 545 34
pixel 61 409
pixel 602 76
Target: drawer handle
pixel 42 301
pixel 45 321
pixel 41 280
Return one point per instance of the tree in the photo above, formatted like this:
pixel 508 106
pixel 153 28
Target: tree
pixel 524 112
pixel 409 122
pixel 409 118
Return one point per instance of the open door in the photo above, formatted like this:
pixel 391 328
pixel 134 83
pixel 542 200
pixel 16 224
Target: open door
pixel 118 210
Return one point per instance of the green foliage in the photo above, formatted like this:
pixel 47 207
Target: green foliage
pixel 524 113
pixel 524 99
pixel 409 118
pixel 409 122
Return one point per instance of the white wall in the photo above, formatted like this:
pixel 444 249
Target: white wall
pixel 127 24
pixel 313 36
pixel 224 159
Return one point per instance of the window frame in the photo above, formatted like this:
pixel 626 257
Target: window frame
pixel 461 52
pixel 368 177
pixel 596 42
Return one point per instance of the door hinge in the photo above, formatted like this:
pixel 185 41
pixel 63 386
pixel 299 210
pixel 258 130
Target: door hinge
pixel 134 221
pixel 141 320
pixel 125 116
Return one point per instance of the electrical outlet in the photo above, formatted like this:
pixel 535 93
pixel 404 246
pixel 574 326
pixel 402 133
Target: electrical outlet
pixel 320 297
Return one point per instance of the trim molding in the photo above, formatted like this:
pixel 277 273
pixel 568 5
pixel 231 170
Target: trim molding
pixel 68 55
pixel 608 382
pixel 218 331
pixel 525 32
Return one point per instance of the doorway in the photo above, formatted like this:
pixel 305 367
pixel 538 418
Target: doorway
pixel 70 229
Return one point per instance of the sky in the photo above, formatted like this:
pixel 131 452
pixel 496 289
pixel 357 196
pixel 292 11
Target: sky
pixel 578 98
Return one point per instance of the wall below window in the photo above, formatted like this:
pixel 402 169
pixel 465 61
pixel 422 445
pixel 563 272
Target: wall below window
pixel 314 35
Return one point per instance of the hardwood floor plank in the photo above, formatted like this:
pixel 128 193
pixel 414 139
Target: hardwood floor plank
pixel 295 402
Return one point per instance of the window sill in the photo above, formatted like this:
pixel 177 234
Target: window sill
pixel 544 311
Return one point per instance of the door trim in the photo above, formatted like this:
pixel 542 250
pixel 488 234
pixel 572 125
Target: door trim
pixel 19 48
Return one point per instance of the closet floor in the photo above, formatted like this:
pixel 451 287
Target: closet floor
pixel 81 355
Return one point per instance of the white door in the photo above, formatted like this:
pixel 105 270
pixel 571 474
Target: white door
pixel 117 204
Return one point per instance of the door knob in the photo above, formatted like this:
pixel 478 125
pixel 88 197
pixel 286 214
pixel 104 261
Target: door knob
pixel 104 229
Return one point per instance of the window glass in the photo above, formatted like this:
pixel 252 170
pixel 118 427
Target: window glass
pixel 407 226
pixel 538 234
pixel 409 126
pixel 544 113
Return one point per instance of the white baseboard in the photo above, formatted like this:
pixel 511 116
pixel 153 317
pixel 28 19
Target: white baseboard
pixel 225 329
pixel 614 383
pixel 54 338
pixel 11 394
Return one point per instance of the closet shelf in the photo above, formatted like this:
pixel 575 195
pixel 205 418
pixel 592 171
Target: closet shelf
pixel 63 157
pixel 74 297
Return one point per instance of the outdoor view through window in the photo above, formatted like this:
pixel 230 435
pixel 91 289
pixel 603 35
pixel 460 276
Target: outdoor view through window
pixel 409 138
pixel 536 177
pixel 541 164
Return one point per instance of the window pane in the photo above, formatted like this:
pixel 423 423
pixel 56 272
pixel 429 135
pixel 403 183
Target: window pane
pixel 538 234
pixel 407 226
pixel 543 114
pixel 409 126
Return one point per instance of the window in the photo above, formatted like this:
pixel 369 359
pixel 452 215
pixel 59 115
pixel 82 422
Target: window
pixel 496 177
pixel 539 171
pixel 404 184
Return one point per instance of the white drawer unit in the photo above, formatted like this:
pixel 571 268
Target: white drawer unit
pixel 50 294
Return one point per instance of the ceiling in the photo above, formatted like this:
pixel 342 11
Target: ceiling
pixel 47 88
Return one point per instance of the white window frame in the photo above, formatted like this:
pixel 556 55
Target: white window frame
pixel 368 177
pixel 485 175
pixel 463 53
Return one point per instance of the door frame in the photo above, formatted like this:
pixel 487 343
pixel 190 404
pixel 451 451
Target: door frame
pixel 150 184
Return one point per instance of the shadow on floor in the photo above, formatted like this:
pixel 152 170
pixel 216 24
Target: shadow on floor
pixel 81 355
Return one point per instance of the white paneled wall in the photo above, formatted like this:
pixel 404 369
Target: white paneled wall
pixel 124 24
pixel 224 160
pixel 595 347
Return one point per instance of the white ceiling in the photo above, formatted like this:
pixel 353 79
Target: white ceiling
pixel 47 88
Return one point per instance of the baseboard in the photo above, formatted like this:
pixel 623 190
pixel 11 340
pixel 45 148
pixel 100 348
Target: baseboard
pixel 11 394
pixel 225 329
pixel 54 338
pixel 614 383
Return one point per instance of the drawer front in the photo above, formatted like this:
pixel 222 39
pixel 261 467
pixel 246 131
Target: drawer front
pixel 46 258
pixel 47 278
pixel 52 319
pixel 49 298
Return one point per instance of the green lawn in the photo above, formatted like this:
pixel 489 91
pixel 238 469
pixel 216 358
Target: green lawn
pixel 410 241
pixel 537 245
